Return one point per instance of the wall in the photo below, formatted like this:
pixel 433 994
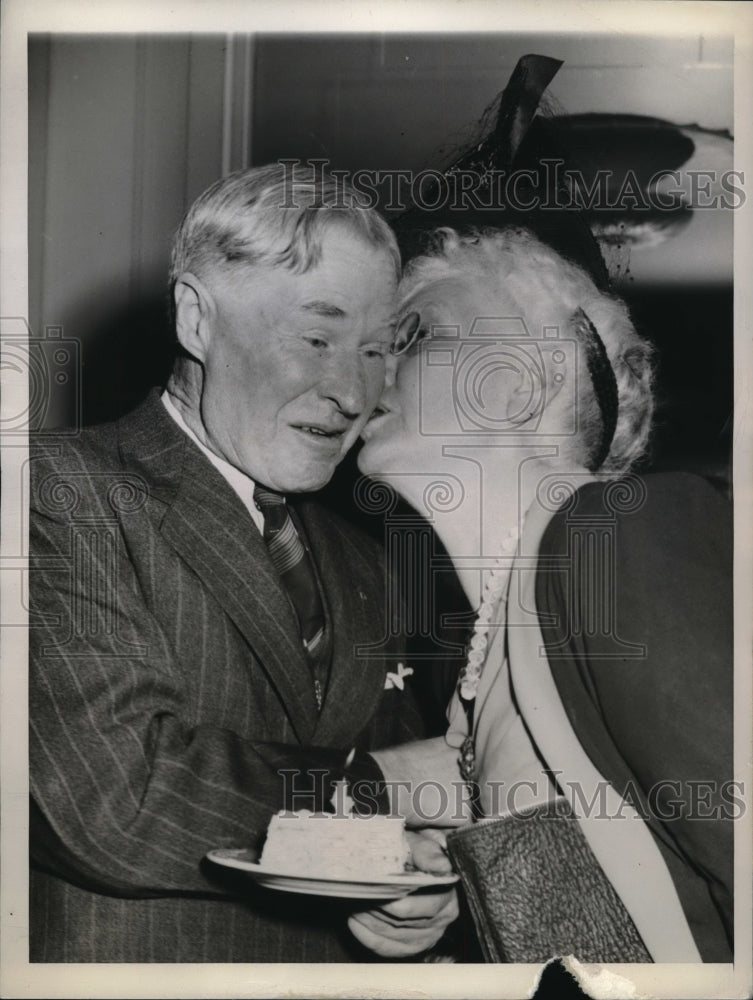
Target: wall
pixel 123 134
pixel 396 101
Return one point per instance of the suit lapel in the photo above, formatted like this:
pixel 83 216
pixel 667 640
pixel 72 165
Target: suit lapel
pixel 205 522
pixel 354 603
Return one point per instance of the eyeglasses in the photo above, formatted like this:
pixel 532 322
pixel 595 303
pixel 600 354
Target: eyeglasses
pixel 408 334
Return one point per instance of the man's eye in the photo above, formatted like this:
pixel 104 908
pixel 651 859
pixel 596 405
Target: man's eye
pixel 317 342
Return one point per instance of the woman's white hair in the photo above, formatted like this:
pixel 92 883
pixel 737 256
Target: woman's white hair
pixel 546 290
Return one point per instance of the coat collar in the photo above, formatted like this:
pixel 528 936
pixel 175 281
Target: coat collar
pixel 206 523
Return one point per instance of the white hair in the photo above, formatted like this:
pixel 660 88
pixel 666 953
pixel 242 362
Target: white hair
pixel 545 288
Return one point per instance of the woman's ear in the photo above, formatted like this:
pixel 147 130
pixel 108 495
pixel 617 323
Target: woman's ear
pixel 540 381
pixel 194 307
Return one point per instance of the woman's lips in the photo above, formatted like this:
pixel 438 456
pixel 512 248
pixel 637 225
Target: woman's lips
pixel 376 423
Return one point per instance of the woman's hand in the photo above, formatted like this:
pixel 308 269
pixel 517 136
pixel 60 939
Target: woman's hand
pixel 416 922
pixel 424 784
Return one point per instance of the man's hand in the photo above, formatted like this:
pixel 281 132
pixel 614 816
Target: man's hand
pixel 414 923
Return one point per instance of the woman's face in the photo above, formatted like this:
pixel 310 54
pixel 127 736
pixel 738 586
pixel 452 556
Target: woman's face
pixel 456 382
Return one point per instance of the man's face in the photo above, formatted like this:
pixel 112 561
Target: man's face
pixel 295 362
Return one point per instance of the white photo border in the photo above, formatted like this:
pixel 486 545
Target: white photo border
pixel 18 977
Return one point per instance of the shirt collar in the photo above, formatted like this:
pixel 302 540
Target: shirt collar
pixel 238 481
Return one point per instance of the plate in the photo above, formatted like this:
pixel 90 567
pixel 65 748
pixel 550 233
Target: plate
pixel 365 887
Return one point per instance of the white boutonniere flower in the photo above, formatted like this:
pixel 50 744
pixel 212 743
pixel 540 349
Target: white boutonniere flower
pixel 397 679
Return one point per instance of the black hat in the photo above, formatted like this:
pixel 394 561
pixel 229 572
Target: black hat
pixel 511 177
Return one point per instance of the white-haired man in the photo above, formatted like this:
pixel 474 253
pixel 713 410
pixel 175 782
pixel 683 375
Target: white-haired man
pixel 195 637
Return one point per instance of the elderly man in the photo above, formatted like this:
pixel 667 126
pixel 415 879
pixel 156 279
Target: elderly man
pixel 195 638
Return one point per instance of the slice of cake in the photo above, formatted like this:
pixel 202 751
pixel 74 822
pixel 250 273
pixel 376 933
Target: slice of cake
pixel 327 845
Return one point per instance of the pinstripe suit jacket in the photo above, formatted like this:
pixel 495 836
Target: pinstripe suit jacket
pixel 168 690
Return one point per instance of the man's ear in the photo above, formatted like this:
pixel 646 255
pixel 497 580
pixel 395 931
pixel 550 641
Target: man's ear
pixel 194 310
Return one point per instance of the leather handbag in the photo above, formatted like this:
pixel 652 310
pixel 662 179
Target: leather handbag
pixel 536 890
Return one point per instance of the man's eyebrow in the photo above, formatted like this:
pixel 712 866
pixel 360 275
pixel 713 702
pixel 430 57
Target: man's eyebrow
pixel 322 308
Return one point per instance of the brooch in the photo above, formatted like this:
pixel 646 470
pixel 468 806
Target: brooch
pixel 397 679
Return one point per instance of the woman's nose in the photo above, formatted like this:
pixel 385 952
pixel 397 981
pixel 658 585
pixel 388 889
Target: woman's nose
pixel 390 371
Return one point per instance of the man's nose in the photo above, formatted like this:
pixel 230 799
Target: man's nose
pixel 346 385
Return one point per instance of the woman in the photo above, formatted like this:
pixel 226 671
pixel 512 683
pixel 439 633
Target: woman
pixel 592 719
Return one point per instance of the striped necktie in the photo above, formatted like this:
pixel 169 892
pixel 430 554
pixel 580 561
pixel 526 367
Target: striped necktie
pixel 293 563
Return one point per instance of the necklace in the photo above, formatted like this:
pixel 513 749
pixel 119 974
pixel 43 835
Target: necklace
pixel 494 596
